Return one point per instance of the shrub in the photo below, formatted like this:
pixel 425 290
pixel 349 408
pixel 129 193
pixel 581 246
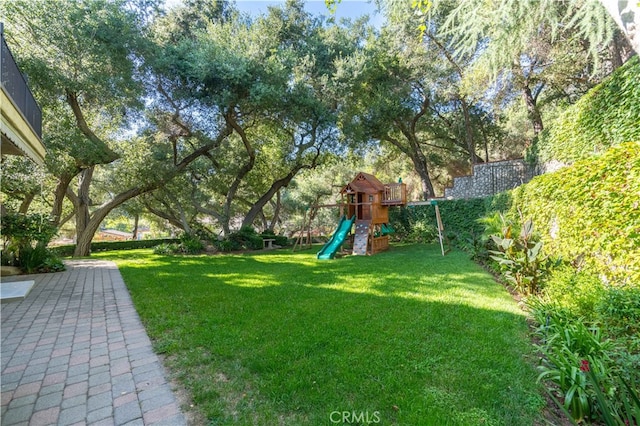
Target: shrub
pixel 166 248
pixel 422 232
pixel 25 243
pixel 247 238
pixel 227 246
pixel 578 291
pixel 280 240
pixel 459 217
pixel 67 250
pixel 52 264
pixel 619 311
pixel 21 230
pixel 418 223
pixel 190 244
pixel 31 258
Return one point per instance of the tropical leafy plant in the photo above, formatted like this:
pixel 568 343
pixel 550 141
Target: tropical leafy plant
pixel 520 257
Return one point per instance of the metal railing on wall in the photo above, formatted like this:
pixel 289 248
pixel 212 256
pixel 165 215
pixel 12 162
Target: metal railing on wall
pixel 508 175
pixel 15 86
pixel 491 178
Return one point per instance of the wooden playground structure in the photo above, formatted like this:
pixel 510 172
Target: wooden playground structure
pixel 365 203
pixel 368 201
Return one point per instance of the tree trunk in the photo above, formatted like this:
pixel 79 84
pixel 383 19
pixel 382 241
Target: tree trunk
pixel 136 219
pixel 83 244
pixel 486 144
pixel 26 202
pixel 162 215
pixel 58 197
pixel 275 187
pixel 468 133
pixel 422 169
pixel 97 152
pixel 83 202
pixel 242 172
pixel 84 238
pixel 414 152
pixel 276 211
pixel 532 109
pixel 184 220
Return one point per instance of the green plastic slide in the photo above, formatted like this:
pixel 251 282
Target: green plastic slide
pixel 333 245
pixel 387 229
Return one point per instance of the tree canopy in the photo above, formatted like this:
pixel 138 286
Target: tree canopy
pixel 212 120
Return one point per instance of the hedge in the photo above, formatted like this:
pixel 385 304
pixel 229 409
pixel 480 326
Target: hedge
pixel 67 250
pixel 459 217
pixel 609 114
pixel 590 211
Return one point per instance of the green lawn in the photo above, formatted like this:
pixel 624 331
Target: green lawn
pixel 405 337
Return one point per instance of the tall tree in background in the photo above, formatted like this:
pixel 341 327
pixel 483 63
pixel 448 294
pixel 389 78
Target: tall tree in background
pixel 78 55
pixel 85 62
pixel 535 46
pixel 405 91
pixel 269 80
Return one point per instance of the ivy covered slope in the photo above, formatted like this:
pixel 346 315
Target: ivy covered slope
pixel 606 116
pixel 590 210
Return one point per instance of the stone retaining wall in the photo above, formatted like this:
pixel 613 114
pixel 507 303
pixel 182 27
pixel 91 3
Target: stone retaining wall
pixel 491 178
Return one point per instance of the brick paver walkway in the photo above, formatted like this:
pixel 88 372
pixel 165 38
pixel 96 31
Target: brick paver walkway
pixel 74 352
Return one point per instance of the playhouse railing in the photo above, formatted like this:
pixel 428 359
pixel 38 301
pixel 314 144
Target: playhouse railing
pixel 394 194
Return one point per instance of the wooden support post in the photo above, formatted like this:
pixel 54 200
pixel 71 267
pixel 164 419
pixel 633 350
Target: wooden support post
pixel 300 237
pixel 440 228
pixel 441 236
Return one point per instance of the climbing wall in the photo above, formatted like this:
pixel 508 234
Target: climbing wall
pixel 361 237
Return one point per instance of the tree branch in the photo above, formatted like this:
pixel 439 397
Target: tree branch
pixel 102 154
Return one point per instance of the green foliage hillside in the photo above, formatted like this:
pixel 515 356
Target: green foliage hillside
pixel 606 116
pixel 590 211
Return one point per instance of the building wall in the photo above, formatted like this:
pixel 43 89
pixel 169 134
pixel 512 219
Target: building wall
pixel 491 178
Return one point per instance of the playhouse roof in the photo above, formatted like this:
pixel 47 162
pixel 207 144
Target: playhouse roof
pixel 364 182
